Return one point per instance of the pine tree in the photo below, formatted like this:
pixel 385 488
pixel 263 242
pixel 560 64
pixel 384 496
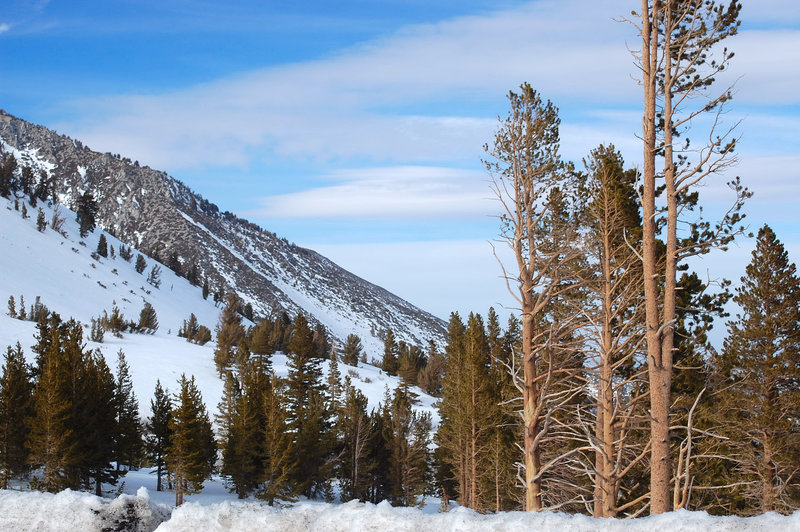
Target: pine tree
pixel 279 454
pixel 158 431
pixel 352 350
pixel 334 382
pixel 141 263
pixel 230 332
pixel 12 309
pixel 129 444
pixel 760 389
pixel 390 363
pixel 86 213
pixel 102 246
pixel 53 442
pixel 355 465
pixel 154 277
pixel 16 406
pixel 192 451
pixel 41 222
pixel 97 422
pixel 148 320
pixel 309 416
pixel 408 438
pixel 205 288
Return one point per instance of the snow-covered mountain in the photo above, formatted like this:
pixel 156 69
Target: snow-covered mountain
pixel 64 273
pixel 158 214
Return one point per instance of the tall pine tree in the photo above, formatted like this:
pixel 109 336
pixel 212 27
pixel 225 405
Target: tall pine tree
pixel 760 389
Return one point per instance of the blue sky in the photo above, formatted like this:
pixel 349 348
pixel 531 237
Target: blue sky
pixel 356 127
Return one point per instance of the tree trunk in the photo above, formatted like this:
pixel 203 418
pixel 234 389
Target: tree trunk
pixel 533 485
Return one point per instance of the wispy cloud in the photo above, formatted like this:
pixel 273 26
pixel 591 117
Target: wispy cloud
pixel 408 192
pixel 4 27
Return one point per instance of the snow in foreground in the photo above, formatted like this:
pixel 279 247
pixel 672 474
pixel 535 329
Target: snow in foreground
pixel 70 510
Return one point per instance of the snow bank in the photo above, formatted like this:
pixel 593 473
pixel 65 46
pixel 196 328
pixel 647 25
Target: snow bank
pixel 354 516
pixel 72 510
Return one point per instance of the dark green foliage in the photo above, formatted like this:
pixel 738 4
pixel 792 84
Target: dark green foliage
pixel 154 277
pixel 41 222
pixel 129 448
pixel 353 424
pixel 8 180
pixel 74 425
pixel 279 454
pixel 408 437
pixel 390 362
pixel 158 431
pixel 24 212
pixel 203 335
pixel 308 413
pixel 12 309
pixel 16 406
pixel 127 254
pixel 102 246
pixel 148 320
pixel 759 374
pixel 86 213
pixel 230 333
pixel 174 264
pixel 141 263
pixel 205 288
pixel 475 455
pixel 192 450
pixel 352 350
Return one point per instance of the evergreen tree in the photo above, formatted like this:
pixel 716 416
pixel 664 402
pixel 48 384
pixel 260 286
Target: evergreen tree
pixel 154 277
pixel 12 309
pixel 86 213
pixel 408 435
pixel 190 328
pixel 355 465
pixel 129 444
pixel 279 454
pixel 352 350
pixel 308 412
pixel 98 427
pixel 158 431
pixel 16 406
pixel 41 222
pixel 260 339
pixel 205 288
pixel 141 263
pixel 102 246
pixel 334 382
pixel 192 451
pixel 760 389
pixel 230 332
pixel 148 320
pixel 390 359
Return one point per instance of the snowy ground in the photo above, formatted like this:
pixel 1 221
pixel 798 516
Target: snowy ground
pixel 69 510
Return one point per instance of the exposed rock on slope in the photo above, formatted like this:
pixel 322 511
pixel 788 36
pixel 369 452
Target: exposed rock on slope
pixel 153 212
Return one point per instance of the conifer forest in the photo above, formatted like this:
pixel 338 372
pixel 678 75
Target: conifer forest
pixel 603 393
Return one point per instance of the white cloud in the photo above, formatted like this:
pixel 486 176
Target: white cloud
pixel 337 107
pixel 407 192
pixel 4 27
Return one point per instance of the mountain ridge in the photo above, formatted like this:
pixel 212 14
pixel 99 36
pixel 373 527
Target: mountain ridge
pixel 158 214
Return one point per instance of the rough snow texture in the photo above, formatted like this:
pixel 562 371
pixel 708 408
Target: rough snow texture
pixel 68 510
pixel 151 211
pixel 72 510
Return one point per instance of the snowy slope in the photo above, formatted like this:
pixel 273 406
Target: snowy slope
pixel 152 211
pixel 61 271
